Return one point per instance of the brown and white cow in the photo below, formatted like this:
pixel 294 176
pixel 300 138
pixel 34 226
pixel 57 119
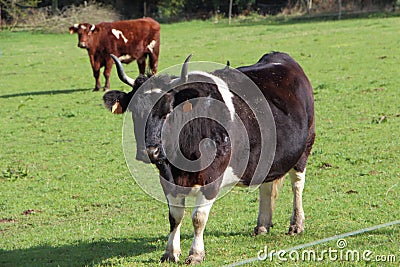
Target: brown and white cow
pixel 129 40
pixel 288 92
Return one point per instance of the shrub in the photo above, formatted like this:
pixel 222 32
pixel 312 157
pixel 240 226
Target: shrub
pixel 16 10
pixel 44 19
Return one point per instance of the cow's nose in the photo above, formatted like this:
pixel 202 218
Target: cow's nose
pixel 82 44
pixel 153 152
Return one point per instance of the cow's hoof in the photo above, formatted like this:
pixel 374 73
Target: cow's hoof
pixel 295 229
pixel 171 257
pixel 195 258
pixel 261 230
pixel 96 90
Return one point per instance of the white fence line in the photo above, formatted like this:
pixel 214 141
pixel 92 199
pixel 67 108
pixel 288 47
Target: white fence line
pixel 321 241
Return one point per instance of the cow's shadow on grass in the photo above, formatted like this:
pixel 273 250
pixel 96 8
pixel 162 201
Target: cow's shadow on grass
pixel 93 253
pixel 48 92
pixel 80 254
pixel 104 252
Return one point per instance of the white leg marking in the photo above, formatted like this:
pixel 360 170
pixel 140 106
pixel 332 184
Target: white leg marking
pixel 268 195
pixel 119 34
pixel 176 211
pixel 298 180
pixel 151 45
pixel 223 88
pixel 265 208
pixel 199 219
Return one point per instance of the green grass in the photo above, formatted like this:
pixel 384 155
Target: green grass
pixel 67 197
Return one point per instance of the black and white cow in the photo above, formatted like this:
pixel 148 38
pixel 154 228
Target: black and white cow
pixel 288 92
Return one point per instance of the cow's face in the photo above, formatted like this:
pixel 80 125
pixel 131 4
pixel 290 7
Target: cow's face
pixel 185 110
pixel 85 32
pixel 150 106
pixel 118 102
pixel 153 127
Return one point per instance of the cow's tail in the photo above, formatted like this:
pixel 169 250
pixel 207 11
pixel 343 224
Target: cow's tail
pixel 150 65
pixel 151 70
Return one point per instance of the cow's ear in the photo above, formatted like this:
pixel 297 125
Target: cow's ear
pixel 73 29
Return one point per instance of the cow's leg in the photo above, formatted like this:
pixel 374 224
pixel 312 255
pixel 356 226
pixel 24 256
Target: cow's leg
pixel 141 62
pixel 265 208
pixel 96 75
pixel 107 72
pixel 297 221
pixel 96 72
pixel 199 220
pixel 176 211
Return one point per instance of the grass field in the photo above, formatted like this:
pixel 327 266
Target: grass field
pixel 67 197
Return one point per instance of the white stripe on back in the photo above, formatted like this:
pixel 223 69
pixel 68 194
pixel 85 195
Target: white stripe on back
pixel 227 95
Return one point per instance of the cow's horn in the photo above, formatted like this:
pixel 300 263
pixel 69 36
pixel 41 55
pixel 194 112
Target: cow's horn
pixel 121 73
pixel 92 28
pixel 184 73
